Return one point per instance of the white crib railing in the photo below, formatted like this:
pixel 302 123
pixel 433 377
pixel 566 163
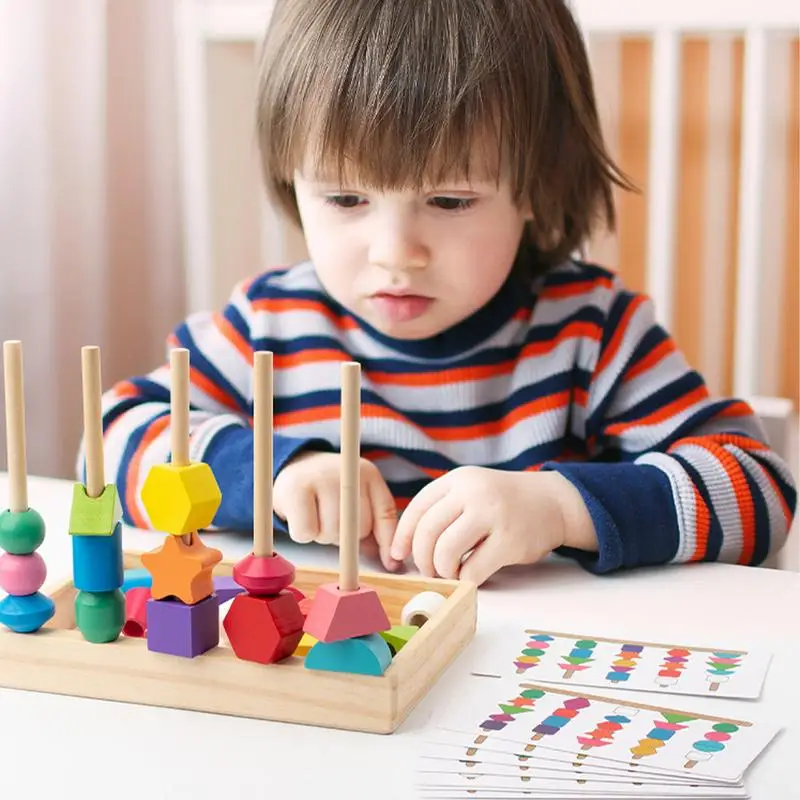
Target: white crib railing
pixel 759 22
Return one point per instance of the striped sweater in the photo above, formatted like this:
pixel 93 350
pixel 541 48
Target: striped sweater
pixel 567 372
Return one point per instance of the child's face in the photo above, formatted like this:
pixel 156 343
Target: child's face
pixel 411 263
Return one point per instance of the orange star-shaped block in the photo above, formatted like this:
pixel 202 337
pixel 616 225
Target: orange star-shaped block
pixel 182 570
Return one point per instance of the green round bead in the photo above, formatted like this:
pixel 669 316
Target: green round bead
pixel 21 532
pixel 100 616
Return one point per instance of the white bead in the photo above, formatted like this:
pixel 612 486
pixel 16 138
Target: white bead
pixel 420 608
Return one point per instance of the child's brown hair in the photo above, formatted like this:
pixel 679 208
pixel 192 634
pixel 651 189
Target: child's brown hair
pixel 396 93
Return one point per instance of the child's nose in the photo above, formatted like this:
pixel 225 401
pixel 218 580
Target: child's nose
pixel 399 250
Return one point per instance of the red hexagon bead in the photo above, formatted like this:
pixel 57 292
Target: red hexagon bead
pixel 264 575
pixel 264 629
pixel 22 575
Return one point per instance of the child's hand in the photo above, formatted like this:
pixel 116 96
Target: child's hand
pixel 472 521
pixel 306 496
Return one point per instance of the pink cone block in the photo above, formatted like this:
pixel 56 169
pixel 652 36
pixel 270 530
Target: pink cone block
pixel 22 575
pixel 337 615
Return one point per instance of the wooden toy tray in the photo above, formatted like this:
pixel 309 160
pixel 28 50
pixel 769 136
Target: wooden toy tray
pixel 58 659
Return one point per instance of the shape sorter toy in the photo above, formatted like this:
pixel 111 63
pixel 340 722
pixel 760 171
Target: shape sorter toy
pixel 322 647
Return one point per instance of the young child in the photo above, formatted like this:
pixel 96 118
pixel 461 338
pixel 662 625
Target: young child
pixel 445 162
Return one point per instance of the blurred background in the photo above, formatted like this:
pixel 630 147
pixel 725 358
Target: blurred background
pixel 129 191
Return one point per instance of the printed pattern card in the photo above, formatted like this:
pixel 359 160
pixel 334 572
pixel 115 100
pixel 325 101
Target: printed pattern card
pixel 542 740
pixel 583 660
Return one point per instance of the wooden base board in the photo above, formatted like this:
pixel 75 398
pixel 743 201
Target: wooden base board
pixel 58 659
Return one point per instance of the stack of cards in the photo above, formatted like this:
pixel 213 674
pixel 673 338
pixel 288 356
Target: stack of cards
pixel 516 737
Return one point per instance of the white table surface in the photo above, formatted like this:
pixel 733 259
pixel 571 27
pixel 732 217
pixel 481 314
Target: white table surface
pixel 54 747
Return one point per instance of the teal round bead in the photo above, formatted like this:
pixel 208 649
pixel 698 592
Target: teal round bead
pixel 26 613
pixel 21 532
pixel 100 616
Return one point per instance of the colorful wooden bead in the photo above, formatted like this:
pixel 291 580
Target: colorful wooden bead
pixel 264 575
pixel 182 570
pixel 397 638
pixel 26 614
pixel 306 643
pixel 181 499
pixel 94 516
pixel 421 607
pixel 264 629
pixel 296 592
pixel 226 588
pixel 135 578
pixel 21 532
pixel 305 606
pixel 97 564
pixel 136 612
pixel 336 615
pixel 21 575
pixel 100 616
pixel 362 655
pixel 184 630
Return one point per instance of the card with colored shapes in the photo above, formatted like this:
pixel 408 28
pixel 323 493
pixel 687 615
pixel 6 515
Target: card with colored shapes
pixel 584 660
pixel 629 736
pixel 445 754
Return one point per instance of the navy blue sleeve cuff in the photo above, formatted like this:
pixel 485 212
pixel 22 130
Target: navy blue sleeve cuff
pixel 230 456
pixel 633 511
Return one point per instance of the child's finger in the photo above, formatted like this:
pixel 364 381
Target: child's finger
pixel 483 562
pixel 301 516
pixel 455 542
pixel 369 548
pixel 328 505
pixel 384 520
pixel 433 523
pixel 413 513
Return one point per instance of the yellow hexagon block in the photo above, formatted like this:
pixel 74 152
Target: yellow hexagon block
pixel 181 499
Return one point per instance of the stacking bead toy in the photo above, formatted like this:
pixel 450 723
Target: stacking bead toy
pixel 95 525
pixel 22 530
pixel 264 624
pixel 181 498
pixel 347 618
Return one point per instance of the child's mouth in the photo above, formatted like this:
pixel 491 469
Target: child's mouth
pixel 401 308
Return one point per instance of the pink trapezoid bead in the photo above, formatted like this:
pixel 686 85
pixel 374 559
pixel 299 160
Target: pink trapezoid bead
pixel 22 575
pixel 264 576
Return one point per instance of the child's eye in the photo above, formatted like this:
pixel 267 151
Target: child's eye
pixel 344 200
pixel 453 203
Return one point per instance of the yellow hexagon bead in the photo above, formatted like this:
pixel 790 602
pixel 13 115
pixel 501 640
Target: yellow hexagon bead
pixel 181 499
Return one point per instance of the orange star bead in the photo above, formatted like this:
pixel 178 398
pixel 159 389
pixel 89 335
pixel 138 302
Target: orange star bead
pixel 182 570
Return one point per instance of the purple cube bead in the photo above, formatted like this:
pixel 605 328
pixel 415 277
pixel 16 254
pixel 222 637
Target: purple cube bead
pixel 226 588
pixel 179 629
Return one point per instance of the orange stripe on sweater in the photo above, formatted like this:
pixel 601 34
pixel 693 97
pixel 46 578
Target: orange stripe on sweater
pixel 665 412
pixel 558 291
pixel 650 360
pixel 744 499
pixel 619 334
pixel 462 433
pixel 292 305
pixel 153 431
pixel 211 389
pixel 229 332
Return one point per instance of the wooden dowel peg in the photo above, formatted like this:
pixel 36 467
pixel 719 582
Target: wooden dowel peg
pixel 93 420
pixel 15 426
pixel 179 412
pixel 263 455
pixel 350 478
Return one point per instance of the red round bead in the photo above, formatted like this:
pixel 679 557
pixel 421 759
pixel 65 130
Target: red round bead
pixel 264 575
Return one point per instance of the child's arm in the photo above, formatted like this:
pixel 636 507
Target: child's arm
pixel 675 476
pixel 136 416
